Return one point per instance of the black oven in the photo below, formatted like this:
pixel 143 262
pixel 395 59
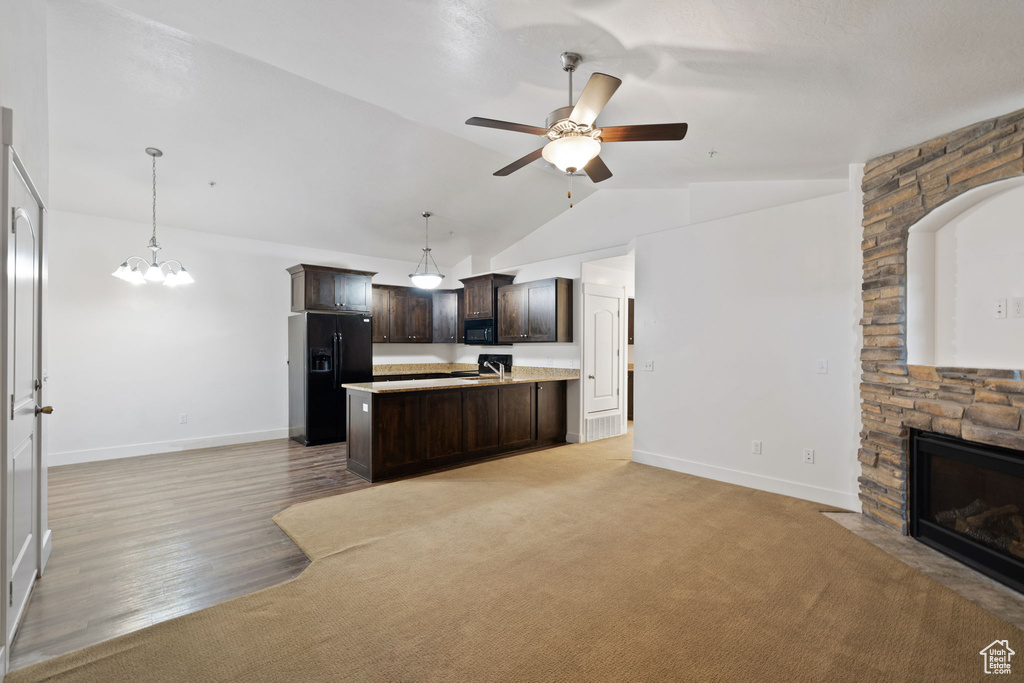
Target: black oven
pixel 481 332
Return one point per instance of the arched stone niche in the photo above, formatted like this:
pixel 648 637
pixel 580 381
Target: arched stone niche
pixel 916 191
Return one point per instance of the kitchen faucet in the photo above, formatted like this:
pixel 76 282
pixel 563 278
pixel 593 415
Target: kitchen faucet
pixel 499 369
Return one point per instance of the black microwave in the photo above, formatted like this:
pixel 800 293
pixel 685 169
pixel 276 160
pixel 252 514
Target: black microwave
pixel 481 332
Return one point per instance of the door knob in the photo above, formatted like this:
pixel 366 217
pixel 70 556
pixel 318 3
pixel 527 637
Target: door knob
pixel 590 377
pixel 45 410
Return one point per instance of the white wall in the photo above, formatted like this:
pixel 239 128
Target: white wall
pixel 126 360
pixel 967 264
pixel 710 201
pixel 23 83
pixel 605 219
pixel 735 313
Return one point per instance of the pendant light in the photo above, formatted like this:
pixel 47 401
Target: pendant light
pixel 154 269
pixel 424 278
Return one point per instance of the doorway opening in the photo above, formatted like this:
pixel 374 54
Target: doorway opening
pixel 607 346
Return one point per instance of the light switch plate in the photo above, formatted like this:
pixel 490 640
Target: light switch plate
pixel 999 311
pixel 648 366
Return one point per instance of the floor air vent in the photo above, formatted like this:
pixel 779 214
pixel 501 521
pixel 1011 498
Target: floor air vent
pixel 604 426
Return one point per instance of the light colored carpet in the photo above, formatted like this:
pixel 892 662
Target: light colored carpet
pixel 570 564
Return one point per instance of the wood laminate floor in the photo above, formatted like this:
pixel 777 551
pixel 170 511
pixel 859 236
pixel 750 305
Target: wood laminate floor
pixel 137 541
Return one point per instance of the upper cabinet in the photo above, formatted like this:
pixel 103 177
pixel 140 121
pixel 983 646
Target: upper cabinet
pixel 446 317
pixel 381 315
pixel 538 311
pixel 409 315
pixel 322 288
pixel 481 294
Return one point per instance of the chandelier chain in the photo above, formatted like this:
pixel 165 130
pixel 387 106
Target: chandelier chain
pixel 154 198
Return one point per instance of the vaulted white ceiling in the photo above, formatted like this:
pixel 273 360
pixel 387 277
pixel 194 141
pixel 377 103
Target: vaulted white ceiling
pixel 334 124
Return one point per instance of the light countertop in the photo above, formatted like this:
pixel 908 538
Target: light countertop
pixel 549 375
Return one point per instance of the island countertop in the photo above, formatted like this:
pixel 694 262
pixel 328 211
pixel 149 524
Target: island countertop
pixel 521 377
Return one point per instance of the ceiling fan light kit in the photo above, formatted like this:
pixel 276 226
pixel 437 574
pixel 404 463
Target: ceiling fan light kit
pixel 574 140
pixel 424 277
pixel 129 270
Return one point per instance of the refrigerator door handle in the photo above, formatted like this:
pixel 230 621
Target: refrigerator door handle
pixel 337 360
pixel 341 348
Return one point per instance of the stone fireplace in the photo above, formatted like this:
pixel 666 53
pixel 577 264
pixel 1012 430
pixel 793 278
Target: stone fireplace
pixel 983 406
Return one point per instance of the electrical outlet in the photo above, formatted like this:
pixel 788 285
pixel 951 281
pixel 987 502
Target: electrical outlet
pixel 1018 307
pixel 999 310
pixel 809 456
pixel 756 448
pixel 182 418
pixel 822 367
pixel 648 366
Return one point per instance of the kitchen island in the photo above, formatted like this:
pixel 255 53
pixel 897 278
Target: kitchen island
pixel 399 428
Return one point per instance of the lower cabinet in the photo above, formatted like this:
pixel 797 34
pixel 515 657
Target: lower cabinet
pixel 551 411
pixel 399 433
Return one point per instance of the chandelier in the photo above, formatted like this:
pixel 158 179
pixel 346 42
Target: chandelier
pixel 169 272
pixel 424 278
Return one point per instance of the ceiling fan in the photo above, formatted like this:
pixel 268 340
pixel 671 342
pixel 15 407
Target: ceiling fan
pixel 574 143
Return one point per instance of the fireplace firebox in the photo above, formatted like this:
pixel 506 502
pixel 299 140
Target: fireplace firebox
pixel 967 501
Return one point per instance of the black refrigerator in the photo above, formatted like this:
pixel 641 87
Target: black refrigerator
pixel 325 350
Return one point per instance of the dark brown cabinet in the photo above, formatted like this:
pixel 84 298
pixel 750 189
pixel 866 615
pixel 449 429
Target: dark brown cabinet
pixel 445 317
pixel 481 292
pixel 630 326
pixel 538 311
pixel 399 433
pixel 480 409
pixel 322 288
pixel 551 411
pixel 409 315
pixel 381 315
pixel 515 403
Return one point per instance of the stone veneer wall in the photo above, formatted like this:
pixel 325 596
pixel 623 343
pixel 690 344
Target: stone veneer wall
pixel 978 405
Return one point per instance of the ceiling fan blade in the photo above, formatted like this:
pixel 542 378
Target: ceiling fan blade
pixel 506 125
pixel 596 170
pixel 653 131
pixel 519 163
pixel 595 95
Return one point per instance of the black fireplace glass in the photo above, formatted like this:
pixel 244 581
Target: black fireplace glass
pixel 984 505
pixel 967 501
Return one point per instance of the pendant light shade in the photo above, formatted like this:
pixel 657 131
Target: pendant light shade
pixel 424 277
pixel 169 272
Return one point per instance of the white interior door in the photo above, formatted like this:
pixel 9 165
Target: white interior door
pixel 24 477
pixel 601 358
pixel 22 473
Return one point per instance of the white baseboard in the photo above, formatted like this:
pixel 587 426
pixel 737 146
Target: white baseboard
pixel 44 555
pixel 132 450
pixel 840 499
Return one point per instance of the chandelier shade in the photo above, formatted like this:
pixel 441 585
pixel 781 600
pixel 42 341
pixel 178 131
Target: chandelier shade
pixel 170 272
